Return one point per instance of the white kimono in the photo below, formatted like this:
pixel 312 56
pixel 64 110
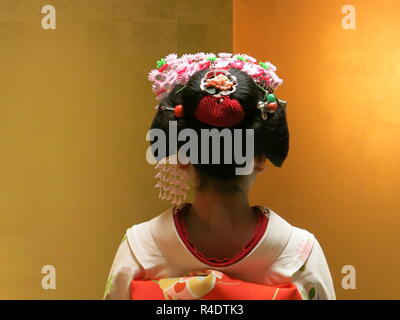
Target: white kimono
pixel 285 254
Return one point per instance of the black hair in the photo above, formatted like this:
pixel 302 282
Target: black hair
pixel 271 136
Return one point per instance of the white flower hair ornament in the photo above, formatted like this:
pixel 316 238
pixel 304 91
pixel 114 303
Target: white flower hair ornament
pixel 218 82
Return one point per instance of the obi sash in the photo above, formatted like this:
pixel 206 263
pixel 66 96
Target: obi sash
pixel 209 285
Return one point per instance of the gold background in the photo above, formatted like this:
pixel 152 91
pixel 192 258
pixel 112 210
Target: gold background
pixel 76 104
pixel 341 179
pixel 74 111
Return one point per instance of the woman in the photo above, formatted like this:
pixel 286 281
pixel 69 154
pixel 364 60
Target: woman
pixel 219 246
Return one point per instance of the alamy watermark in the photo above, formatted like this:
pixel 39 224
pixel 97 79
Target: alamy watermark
pixel 49 280
pixel 349 18
pixel 349 280
pixel 188 152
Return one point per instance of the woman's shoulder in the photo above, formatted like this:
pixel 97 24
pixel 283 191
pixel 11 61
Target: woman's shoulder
pixel 141 236
pixel 303 262
pixel 301 257
pixel 279 222
pixel 145 225
pixel 296 243
pixel 136 257
pixel 161 220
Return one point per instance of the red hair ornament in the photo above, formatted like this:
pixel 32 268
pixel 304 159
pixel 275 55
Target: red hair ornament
pixel 217 108
pixel 178 110
pixel 219 111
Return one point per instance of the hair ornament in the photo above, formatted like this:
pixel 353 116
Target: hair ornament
pixel 269 104
pixel 173 70
pixel 173 182
pixel 178 110
pixel 216 108
pixel 218 83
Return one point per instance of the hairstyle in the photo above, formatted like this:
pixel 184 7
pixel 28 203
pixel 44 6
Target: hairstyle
pixel 271 136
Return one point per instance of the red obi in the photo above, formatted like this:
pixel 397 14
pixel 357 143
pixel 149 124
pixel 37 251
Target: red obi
pixel 209 285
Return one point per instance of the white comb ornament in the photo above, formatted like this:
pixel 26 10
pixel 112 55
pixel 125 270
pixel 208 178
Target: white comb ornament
pixel 173 182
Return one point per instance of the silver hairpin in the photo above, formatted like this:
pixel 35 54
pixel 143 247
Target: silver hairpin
pixel 161 107
pixel 262 107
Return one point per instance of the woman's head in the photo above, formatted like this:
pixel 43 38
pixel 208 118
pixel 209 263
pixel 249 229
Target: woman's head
pixel 234 120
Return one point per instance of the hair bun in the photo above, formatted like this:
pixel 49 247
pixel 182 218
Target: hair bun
pixel 219 111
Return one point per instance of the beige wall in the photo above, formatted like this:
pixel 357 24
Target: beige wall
pixel 341 179
pixel 74 110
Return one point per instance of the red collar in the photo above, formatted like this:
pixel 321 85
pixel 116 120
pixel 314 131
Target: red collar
pixel 259 231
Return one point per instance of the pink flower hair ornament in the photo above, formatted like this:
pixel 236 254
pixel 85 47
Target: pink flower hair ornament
pixel 172 70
